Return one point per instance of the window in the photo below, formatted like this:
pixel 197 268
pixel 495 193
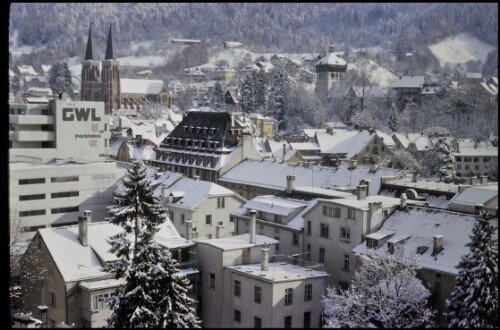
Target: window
pixel 307 319
pixel 321 255
pixel 288 321
pixel 308 289
pixel 171 215
pixel 385 213
pixel 31 197
pixel 208 219
pixel 231 219
pixel 65 194
pixel 323 230
pixel 277 218
pixel 371 243
pixel 486 159
pixel 106 143
pixel 101 301
pixel 212 281
pixel 458 159
pixel 333 212
pixel 308 252
pixel 257 322
pixel 237 316
pixel 182 218
pixel 476 167
pixel 289 296
pixel 258 295
pixel 346 262
pixel 221 202
pixel 476 159
pixel 295 239
pixel 64 179
pixel 345 234
pixel 64 210
pixel 277 246
pixel 467 159
pixel 459 166
pixel 467 167
pixel 237 288
pixel 31 212
pixel 31 181
pixel 309 227
pixel 350 214
pixel 52 299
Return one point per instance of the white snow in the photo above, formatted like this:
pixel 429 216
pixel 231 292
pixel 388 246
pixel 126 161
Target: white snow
pixel 476 195
pixel 460 49
pixel 376 74
pixel 274 205
pixel 142 61
pixel 277 272
pixel 238 242
pixel 140 86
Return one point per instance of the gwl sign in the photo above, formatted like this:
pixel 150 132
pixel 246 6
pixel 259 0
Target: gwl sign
pixel 80 114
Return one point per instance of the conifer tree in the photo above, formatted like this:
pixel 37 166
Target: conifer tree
pixel 393 119
pixel 217 97
pixel 446 161
pixel 60 80
pixel 247 99
pixel 261 91
pixel 474 301
pixel 154 293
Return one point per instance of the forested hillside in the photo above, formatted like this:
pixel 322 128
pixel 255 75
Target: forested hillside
pixel 297 27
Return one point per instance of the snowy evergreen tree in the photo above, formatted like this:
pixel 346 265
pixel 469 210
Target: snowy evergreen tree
pixel 446 161
pixel 403 160
pixel 280 98
pixel 352 103
pixel 247 98
pixel 15 85
pixel 60 80
pixel 384 293
pixel 474 301
pixel 261 91
pixel 393 119
pixel 217 97
pixel 155 291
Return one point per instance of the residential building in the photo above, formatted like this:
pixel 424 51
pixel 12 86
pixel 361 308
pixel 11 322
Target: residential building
pixel 205 144
pixel 332 228
pixel 222 73
pixel 59 129
pixel 329 70
pixel 470 197
pixel 409 86
pixel 416 144
pixel 206 205
pixel 232 44
pixel 278 218
pixel 473 158
pixel 264 126
pixel 75 286
pixel 251 178
pixel 185 41
pixel 136 92
pixel 439 239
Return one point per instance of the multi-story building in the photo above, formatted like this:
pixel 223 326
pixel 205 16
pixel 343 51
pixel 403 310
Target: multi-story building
pixel 409 86
pixel 474 158
pixel 205 204
pixel 332 228
pixel 329 70
pixel 469 197
pixel 74 287
pixel 58 128
pixel 53 194
pixel 437 237
pixel 205 144
pixel 416 144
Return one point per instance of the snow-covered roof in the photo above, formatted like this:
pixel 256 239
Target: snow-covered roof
pixel 407 181
pixel 11 73
pixel 187 40
pixel 35 99
pixel 272 175
pixel 470 147
pixel 102 284
pixel 304 146
pixel 473 75
pixel 322 191
pixel 422 142
pixel 475 195
pixel 422 224
pixel 379 234
pixel 233 43
pixel 77 262
pixel 409 82
pixel 40 90
pixel 311 132
pixel 140 86
pixel 196 191
pixel 349 143
pixel 30 78
pixel 46 68
pixel 363 204
pixel 238 242
pixel 333 61
pixel 27 70
pixel 334 124
pixel 490 88
pixel 274 205
pixel 277 272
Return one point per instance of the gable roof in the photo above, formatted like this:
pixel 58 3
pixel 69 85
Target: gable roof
pixel 238 242
pixel 409 82
pixel 475 195
pixel 422 224
pixel 140 86
pixel 274 205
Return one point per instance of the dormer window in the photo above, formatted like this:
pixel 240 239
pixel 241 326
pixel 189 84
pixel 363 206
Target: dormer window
pixel 371 243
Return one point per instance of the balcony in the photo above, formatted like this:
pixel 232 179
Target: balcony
pixel 31 119
pixel 31 136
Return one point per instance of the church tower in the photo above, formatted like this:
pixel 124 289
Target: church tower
pixel 91 87
pixel 329 71
pixel 110 78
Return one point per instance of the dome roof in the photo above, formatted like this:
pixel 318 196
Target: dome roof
pixel 331 62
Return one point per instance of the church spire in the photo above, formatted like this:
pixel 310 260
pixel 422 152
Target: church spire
pixel 109 46
pixel 89 54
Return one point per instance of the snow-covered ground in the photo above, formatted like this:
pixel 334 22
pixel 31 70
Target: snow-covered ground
pixel 143 61
pixel 460 49
pixel 376 73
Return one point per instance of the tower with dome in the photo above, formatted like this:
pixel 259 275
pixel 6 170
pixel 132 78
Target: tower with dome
pixel 329 70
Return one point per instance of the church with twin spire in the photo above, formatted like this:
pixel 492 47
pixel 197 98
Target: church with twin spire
pixel 101 82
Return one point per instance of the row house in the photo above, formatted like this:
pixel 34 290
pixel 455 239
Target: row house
pixel 74 288
pixel 437 237
pixel 201 207
pixel 473 158
pixel 333 227
pixel 416 144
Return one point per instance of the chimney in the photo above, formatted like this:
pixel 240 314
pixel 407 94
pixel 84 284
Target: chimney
pixel 246 144
pixel 352 164
pixel 290 183
pixel 264 258
pixel 329 130
pixel 473 180
pixel 253 220
pixel 218 230
pixel 284 152
pixel 189 230
pixel 232 120
pixel 483 179
pixel 462 187
pixel 437 245
pixel 415 177
pixel 478 208
pixel 361 192
pixel 196 178
pixel 83 223
pixel 374 207
pixel 365 182
pixel 402 202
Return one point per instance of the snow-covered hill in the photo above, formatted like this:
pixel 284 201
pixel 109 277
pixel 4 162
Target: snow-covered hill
pixel 376 73
pixel 460 49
